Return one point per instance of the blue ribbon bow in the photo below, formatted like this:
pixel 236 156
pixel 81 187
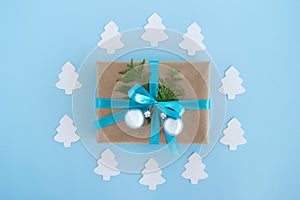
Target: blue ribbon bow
pixel 140 95
pixel 140 98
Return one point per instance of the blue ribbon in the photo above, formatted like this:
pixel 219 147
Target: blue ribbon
pixel 140 98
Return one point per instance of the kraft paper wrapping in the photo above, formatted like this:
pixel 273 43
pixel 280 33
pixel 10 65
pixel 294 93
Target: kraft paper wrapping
pixel 196 77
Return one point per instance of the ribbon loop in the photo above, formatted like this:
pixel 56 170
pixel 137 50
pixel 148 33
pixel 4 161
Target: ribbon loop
pixel 140 95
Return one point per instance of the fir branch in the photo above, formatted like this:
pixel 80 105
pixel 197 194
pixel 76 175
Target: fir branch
pixel 123 89
pixel 169 89
pixel 129 65
pixel 133 74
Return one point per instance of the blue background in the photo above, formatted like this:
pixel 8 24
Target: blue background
pixel 261 38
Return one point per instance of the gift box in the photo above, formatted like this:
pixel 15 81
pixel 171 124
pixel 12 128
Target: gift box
pixel 192 87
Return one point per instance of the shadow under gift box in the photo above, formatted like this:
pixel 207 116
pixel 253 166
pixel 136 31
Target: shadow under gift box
pixel 196 79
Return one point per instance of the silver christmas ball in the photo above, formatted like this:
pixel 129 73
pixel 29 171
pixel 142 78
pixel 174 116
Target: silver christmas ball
pixel 134 118
pixel 173 126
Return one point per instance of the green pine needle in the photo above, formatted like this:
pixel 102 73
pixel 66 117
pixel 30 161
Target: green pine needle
pixel 168 89
pixel 123 89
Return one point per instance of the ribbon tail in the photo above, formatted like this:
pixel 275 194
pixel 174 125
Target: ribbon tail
pixel 202 104
pixel 172 144
pixel 155 127
pixel 154 76
pixel 117 103
pixel 110 119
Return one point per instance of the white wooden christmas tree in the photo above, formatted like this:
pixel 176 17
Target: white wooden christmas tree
pixel 68 78
pixel 107 165
pixel 152 175
pixel 194 169
pixel 192 40
pixel 232 83
pixel 154 30
pixel 66 131
pixel 233 135
pixel 111 38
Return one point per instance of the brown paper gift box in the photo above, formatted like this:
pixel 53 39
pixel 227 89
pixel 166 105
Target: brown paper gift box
pixel 196 84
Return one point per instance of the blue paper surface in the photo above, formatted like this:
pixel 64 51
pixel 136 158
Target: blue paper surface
pixel 261 38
